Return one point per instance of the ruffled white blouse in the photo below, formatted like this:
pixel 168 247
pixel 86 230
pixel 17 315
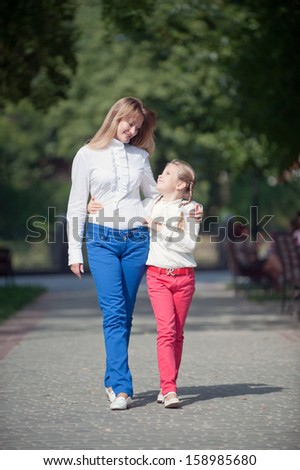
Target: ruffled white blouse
pixel 115 175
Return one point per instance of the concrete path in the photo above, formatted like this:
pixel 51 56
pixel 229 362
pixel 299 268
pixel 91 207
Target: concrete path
pixel 239 380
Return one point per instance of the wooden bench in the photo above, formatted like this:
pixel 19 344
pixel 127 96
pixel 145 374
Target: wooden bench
pixel 243 278
pixel 289 254
pixel 6 269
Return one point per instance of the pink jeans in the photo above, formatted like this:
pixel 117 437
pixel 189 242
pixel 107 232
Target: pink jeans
pixel 171 297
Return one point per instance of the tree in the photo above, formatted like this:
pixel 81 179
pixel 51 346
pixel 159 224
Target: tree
pixel 185 61
pixel 37 51
pixel 267 74
pixel 255 45
pixel 179 67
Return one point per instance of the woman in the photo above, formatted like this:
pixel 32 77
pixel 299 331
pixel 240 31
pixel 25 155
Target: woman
pixel 117 242
pixel 114 167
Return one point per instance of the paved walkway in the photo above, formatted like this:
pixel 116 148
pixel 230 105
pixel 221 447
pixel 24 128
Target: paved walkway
pixel 239 381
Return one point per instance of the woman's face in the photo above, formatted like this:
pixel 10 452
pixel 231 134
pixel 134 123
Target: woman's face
pixel 128 128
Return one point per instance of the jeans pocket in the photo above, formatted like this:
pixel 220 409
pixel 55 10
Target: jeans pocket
pixel 96 238
pixel 139 237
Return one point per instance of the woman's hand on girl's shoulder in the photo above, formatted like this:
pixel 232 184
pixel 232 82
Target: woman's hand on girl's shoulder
pixel 153 225
pixel 196 212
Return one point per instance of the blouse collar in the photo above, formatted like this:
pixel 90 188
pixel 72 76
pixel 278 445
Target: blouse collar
pixel 117 143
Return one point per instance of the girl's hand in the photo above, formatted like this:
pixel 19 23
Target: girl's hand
pixel 154 225
pixel 77 269
pixel 197 212
pixel 94 206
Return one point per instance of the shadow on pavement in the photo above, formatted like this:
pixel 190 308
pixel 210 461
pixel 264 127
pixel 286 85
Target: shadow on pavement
pixel 190 395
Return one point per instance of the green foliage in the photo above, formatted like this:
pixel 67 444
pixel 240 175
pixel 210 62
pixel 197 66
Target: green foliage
pixel 36 50
pixel 236 62
pixel 180 74
pixel 128 13
pixel 21 141
pixel 29 172
pixel 267 71
pixel 280 201
pixel 218 74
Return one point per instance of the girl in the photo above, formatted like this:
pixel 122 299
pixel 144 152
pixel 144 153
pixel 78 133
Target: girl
pixel 170 273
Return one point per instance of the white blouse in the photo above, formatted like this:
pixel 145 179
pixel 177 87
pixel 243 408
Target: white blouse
pixel 172 247
pixel 114 175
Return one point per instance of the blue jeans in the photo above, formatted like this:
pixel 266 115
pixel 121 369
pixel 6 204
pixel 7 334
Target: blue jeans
pixel 117 262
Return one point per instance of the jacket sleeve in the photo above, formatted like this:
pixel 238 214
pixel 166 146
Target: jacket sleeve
pixel 148 183
pixel 77 207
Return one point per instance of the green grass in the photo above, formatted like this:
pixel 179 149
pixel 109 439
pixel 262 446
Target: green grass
pixel 256 293
pixel 265 297
pixel 13 298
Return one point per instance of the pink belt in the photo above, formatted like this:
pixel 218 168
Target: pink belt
pixel 171 271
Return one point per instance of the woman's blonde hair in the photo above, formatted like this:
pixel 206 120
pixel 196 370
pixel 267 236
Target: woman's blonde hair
pixel 129 108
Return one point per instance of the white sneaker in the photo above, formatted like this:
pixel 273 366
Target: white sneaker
pixel 120 403
pixel 110 395
pixel 171 400
pixel 160 397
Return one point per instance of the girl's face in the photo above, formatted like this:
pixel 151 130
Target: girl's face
pixel 168 181
pixel 128 128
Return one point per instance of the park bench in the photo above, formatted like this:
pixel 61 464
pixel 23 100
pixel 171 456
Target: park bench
pixel 6 269
pixel 242 278
pixel 289 254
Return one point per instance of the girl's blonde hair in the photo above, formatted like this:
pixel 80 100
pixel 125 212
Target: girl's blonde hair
pixel 127 108
pixel 186 174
